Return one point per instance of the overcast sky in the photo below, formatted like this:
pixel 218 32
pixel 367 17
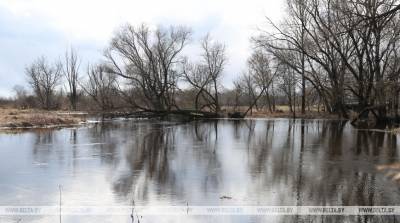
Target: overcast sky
pixel 31 28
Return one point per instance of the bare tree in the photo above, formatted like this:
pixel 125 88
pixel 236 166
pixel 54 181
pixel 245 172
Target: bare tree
pixel 195 75
pixel 21 95
pixel 346 50
pixel 366 44
pixel 205 76
pixel 256 82
pixel 101 86
pixel 214 59
pixel 149 59
pixel 70 72
pixel 246 85
pixel 260 68
pixel 44 78
pixel 287 84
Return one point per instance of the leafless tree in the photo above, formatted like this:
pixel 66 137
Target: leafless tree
pixel 101 86
pixel 288 40
pixel 44 78
pixel 260 68
pixel 287 84
pixel 247 87
pixel 205 76
pixel 21 95
pixel 70 72
pixel 256 82
pixel 214 59
pixel 347 51
pixel 371 47
pixel 149 59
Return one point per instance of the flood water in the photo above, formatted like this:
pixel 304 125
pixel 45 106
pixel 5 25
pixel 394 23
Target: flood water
pixel 254 162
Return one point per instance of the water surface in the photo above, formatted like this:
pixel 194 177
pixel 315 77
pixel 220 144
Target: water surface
pixel 255 162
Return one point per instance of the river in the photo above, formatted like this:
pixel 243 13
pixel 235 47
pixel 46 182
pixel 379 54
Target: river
pixel 271 162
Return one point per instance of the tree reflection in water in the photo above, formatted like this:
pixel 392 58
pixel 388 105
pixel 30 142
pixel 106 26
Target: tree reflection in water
pixel 256 162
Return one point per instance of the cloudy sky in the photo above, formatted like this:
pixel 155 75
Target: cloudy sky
pixel 31 28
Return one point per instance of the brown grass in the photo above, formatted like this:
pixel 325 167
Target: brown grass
pixel 392 171
pixel 283 112
pixel 395 131
pixel 30 118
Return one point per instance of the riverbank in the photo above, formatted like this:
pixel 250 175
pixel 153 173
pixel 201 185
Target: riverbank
pixel 11 118
pixel 32 118
pixel 282 111
pixel 307 115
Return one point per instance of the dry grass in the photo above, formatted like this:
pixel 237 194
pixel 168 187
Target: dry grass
pixel 391 170
pixel 31 118
pixel 395 131
pixel 15 118
pixel 283 112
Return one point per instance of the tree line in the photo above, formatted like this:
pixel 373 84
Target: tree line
pixel 347 52
pixel 142 69
pixel 339 56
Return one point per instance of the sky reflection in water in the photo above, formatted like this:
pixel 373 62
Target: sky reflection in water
pixel 256 162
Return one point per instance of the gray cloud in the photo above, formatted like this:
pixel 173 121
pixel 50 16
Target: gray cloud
pixel 24 39
pixel 29 30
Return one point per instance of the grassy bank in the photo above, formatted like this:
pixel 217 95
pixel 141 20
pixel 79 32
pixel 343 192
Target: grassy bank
pixel 11 118
pixel 31 118
pixel 282 111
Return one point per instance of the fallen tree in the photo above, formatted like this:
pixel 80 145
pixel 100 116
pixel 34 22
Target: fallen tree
pixel 185 115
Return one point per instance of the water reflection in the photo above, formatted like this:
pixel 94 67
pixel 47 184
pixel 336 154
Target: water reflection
pixel 256 162
pixel 147 160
